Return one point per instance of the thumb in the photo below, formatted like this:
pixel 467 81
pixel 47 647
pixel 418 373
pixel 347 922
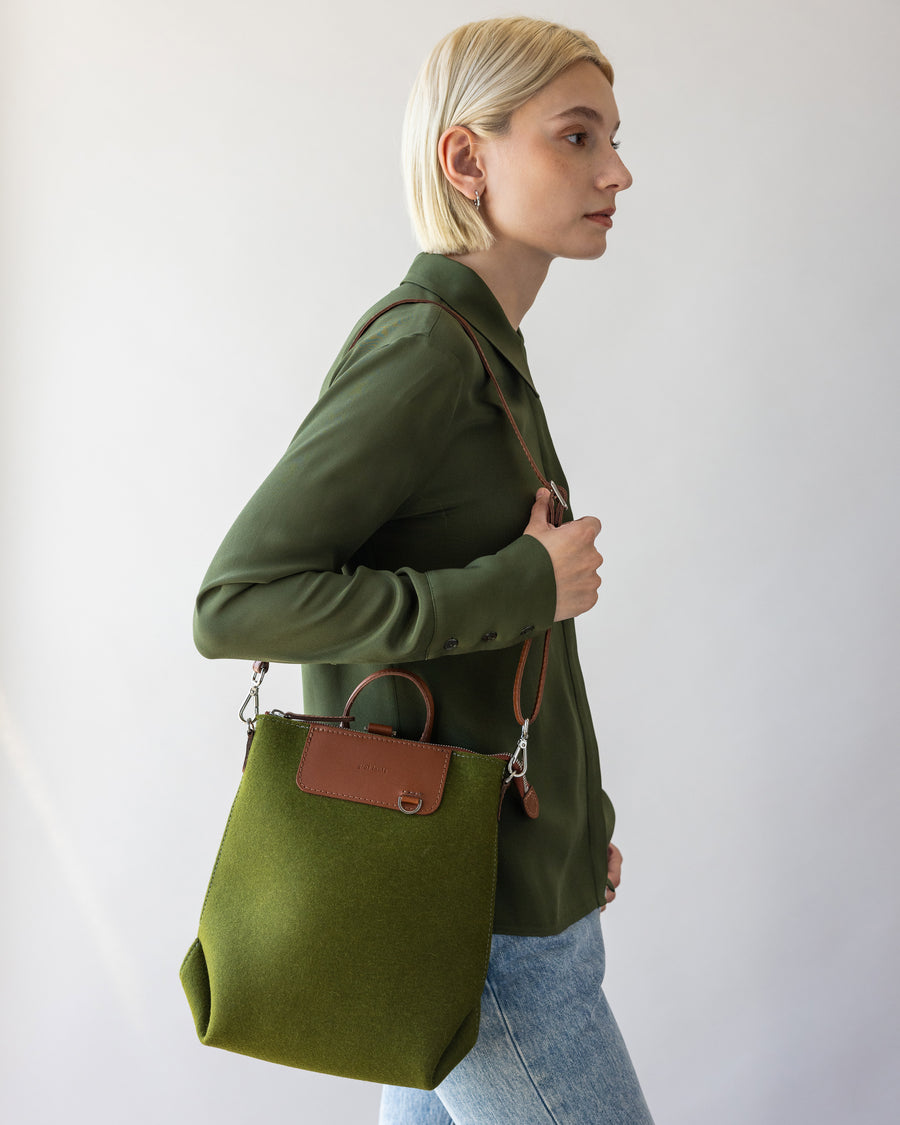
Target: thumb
pixel 539 519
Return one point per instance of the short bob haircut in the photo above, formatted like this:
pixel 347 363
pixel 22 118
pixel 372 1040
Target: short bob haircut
pixel 477 76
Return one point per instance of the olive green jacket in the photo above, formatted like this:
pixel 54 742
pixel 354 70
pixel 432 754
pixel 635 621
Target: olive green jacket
pixel 390 533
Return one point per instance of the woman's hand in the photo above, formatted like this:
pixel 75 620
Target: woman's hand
pixel 573 554
pixel 613 871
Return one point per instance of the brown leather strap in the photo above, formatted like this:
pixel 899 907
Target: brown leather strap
pixel 520 673
pixel 413 678
pixel 559 500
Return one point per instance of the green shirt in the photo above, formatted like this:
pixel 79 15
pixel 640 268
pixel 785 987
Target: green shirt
pixel 390 533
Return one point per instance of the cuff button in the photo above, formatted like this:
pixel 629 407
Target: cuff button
pixel 528 629
pixel 489 636
pixel 451 642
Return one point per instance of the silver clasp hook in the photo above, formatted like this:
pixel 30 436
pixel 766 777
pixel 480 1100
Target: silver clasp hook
pixel 260 668
pixel 518 763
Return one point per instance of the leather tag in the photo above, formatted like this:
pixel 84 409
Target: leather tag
pixel 373 769
pixel 528 793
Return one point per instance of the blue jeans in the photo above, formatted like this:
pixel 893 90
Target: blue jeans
pixel 549 1051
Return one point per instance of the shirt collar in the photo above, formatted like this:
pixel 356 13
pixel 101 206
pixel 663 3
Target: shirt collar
pixel 464 291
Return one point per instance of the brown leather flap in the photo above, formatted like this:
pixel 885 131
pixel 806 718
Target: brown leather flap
pixel 373 769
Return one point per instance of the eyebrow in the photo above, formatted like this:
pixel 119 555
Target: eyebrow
pixel 584 111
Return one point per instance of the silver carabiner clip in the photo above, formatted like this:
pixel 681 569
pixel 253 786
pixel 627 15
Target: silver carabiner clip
pixel 260 668
pixel 518 763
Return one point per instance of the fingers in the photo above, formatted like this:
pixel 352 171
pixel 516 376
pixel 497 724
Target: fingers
pixel 578 561
pixel 588 528
pixel 573 554
pixel 592 524
pixel 614 865
pixel 614 873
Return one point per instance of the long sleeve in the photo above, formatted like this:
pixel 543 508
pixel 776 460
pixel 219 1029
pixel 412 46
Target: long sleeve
pixel 294 579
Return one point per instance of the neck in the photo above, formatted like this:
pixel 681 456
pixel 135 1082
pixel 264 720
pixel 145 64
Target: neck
pixel 513 277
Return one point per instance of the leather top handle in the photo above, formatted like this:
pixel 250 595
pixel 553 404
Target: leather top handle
pixel 413 678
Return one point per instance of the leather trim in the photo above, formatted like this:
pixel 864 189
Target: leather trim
pixel 372 769
pixel 414 679
pixel 528 794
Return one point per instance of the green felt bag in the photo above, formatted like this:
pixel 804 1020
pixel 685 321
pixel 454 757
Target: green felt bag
pixel 347 924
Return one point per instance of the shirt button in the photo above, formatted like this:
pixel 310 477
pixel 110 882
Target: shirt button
pixel 528 629
pixel 451 642
pixel 489 637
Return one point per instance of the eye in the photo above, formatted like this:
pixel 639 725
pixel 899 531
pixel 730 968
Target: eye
pixel 577 138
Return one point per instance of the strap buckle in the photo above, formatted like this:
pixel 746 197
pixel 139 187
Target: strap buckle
pixel 559 496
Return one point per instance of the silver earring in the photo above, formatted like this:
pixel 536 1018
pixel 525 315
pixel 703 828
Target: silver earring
pixel 477 202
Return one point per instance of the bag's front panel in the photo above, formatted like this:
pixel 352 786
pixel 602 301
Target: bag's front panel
pixel 294 977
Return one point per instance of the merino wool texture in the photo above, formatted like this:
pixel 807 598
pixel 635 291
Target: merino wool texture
pixel 344 938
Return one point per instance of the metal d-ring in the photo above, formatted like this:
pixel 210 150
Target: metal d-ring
pixel 409 796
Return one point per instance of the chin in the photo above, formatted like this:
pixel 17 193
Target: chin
pixel 590 255
pixel 589 250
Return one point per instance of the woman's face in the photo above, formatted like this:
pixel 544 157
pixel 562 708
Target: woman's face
pixel 551 182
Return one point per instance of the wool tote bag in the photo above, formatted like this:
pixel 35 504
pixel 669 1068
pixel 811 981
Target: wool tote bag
pixel 347 924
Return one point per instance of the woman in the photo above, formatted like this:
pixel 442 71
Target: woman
pixel 401 527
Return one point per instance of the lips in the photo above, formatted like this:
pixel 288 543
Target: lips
pixel 604 218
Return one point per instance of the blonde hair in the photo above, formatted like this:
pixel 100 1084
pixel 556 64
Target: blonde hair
pixel 477 76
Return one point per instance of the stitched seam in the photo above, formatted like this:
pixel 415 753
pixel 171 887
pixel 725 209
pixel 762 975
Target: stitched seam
pixel 519 1055
pixel 429 808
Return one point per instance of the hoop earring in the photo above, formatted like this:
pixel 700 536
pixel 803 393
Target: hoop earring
pixel 477 202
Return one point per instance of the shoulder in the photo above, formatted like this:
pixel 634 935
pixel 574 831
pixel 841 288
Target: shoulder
pixel 408 327
pixel 405 368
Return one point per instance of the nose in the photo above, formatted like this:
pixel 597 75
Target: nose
pixel 615 174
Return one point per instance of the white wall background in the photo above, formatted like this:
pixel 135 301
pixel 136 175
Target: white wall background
pixel 183 182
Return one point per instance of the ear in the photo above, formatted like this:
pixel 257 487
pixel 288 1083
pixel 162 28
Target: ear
pixel 460 156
